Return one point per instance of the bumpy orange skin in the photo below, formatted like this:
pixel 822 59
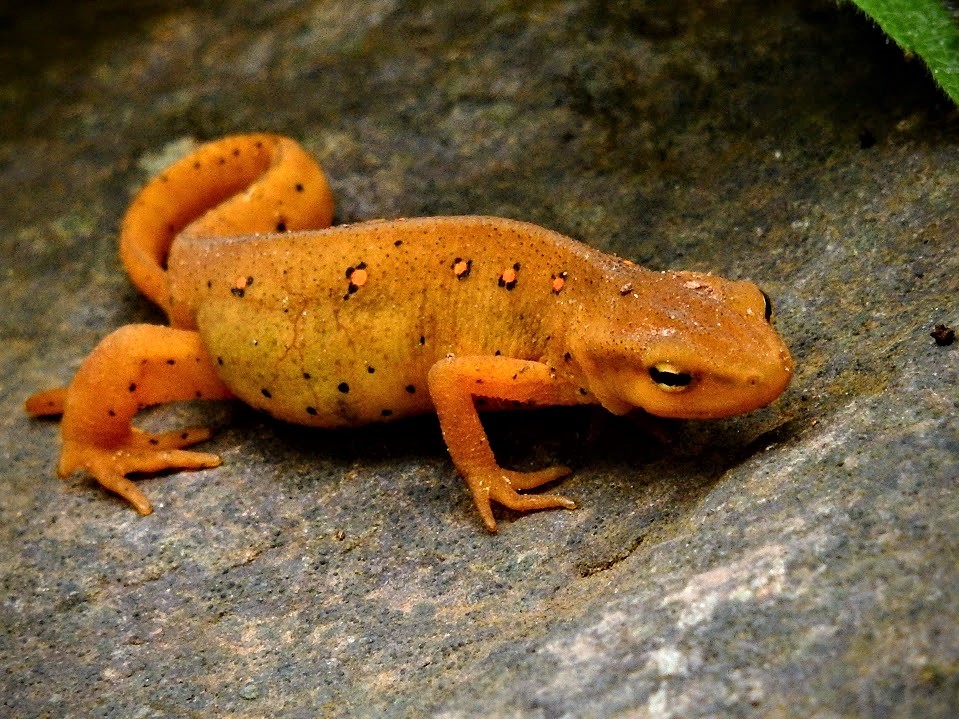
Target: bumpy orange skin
pixel 379 320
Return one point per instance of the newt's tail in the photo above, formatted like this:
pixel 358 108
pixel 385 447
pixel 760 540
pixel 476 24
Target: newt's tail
pixel 48 403
pixel 239 185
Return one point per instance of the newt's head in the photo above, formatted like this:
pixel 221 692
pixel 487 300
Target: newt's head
pixel 685 345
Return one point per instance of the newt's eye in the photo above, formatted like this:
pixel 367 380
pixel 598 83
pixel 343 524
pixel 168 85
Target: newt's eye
pixel 668 378
pixel 768 307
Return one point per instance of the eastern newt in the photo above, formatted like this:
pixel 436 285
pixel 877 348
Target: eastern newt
pixel 370 322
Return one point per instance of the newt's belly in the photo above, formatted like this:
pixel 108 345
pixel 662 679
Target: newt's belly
pixel 302 363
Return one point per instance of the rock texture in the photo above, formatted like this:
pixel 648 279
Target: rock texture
pixel 799 561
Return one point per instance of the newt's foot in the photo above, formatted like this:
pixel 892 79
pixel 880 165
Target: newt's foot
pixel 500 485
pixel 139 452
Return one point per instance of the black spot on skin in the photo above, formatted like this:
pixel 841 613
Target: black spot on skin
pixel 371 370
pixel 154 441
pixel 237 291
pixel 567 357
pixel 497 353
pixel 236 152
pixel 111 413
pixel 411 389
pixel 266 393
pixel 171 361
pixel 184 435
pixel 132 387
pixel 361 266
pixel 351 289
pixel 386 412
pixel 219 361
pixel 349 271
pixel 397 243
pixel 516 266
pixel 422 340
pixel 281 226
pixel 307 375
pixel 343 387
pixel 221 161
pixel 311 411
pixel 209 284
pixel 582 391
pixel 298 186
pixel 198 394
pixel 196 165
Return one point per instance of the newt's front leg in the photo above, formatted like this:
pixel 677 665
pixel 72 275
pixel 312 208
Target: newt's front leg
pixel 453 383
pixel 134 367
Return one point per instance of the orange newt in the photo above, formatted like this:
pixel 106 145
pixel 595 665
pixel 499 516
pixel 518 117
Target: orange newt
pixel 379 320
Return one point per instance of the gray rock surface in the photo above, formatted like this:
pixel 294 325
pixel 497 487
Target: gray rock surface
pixel 799 561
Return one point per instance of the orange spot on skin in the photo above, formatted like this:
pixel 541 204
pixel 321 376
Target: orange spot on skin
pixel 356 277
pixel 461 268
pixel 359 277
pixel 559 281
pixel 508 278
pixel 240 284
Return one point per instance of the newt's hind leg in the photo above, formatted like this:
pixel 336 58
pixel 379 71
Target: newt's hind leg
pixel 132 368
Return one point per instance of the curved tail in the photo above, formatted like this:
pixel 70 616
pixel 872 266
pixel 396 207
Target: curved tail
pixel 238 185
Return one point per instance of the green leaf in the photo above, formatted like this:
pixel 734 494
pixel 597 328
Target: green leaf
pixel 924 27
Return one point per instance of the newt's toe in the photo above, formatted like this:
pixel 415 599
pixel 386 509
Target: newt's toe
pixel 500 485
pixel 531 480
pixel 146 453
